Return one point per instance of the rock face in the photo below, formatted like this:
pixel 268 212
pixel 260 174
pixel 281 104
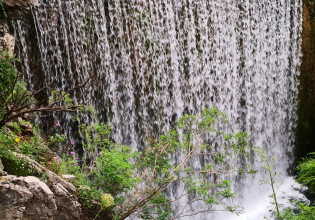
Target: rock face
pixel 21 3
pixel 7 41
pixel 13 10
pixel 17 9
pixel 29 198
pixel 25 198
pixel 305 133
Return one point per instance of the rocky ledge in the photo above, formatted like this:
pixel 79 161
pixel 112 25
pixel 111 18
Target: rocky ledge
pixel 30 197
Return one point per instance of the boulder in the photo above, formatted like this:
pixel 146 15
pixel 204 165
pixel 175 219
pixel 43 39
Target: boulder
pixel 22 197
pixel 70 178
pixel 25 198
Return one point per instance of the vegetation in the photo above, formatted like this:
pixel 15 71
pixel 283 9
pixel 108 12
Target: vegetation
pixel 306 171
pixel 306 176
pixel 302 212
pixel 137 180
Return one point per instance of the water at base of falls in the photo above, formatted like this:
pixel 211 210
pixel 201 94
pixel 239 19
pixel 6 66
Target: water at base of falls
pixel 259 207
pixel 162 59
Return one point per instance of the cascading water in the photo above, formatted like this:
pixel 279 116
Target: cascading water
pixel 164 58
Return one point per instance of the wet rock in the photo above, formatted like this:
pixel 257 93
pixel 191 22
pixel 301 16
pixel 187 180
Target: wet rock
pixel 305 131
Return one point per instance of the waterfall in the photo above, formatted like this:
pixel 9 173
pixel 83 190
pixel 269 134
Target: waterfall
pixel 164 58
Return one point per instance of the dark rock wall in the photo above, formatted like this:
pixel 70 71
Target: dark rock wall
pixel 17 9
pixel 305 141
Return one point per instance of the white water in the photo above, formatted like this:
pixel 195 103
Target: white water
pixel 163 58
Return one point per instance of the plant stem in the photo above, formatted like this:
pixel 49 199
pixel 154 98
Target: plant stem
pixel 273 191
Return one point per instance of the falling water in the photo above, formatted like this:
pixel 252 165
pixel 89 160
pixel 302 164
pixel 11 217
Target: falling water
pixel 164 58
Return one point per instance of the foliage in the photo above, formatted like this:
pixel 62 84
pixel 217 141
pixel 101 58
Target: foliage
pixel 105 169
pixel 11 140
pixel 114 171
pixel 303 212
pixel 107 200
pixel 306 176
pixel 8 73
pixel 33 146
pixel 24 138
pixel 160 171
pixel 306 172
pixel 2 9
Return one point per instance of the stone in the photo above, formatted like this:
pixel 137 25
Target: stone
pixel 21 3
pixel 2 172
pixel 10 42
pixel 68 208
pixel 25 198
pixel 17 9
pixel 70 178
pixel 7 41
pixel 17 194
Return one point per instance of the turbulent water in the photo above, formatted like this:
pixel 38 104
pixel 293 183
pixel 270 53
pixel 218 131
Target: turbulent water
pixel 164 58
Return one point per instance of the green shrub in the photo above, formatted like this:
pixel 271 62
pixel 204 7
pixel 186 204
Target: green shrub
pixel 114 172
pixel 306 172
pixel 302 212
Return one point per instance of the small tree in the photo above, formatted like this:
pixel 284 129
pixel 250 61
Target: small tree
pixel 160 171
pixel 272 179
pixel 139 180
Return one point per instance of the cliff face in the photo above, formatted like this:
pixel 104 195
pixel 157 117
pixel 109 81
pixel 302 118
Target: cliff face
pixel 13 10
pixel 305 141
pixel 17 9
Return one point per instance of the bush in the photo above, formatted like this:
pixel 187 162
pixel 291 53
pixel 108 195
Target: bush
pixel 306 176
pixel 302 212
pixel 306 172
